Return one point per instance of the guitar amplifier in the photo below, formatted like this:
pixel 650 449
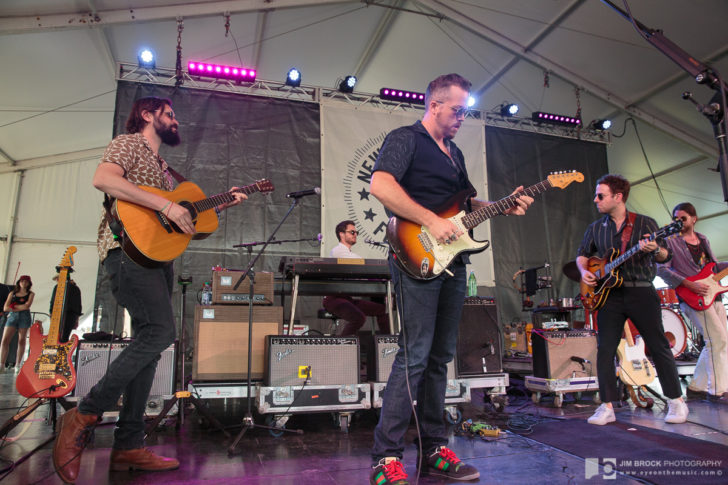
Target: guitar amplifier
pixel 479 340
pixel 292 361
pixel 379 363
pixel 93 358
pixel 221 340
pixel 553 352
pixel 224 293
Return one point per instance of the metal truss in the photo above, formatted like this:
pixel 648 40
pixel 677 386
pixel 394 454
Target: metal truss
pixel 312 94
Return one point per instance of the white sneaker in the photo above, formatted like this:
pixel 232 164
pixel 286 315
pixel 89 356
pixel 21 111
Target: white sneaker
pixel 603 415
pixel 677 411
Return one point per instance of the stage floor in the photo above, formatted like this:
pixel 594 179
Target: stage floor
pixel 324 454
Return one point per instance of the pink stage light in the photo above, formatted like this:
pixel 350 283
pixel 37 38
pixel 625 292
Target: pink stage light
pixel 402 95
pixel 239 74
pixel 556 119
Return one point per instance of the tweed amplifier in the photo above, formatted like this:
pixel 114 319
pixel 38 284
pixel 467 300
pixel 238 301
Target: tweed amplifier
pixel 224 292
pixel 479 340
pixel 221 340
pixel 379 362
pixel 93 358
pixel 564 354
pixel 295 360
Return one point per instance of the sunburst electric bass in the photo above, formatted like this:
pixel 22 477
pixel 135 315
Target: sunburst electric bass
pixel 607 269
pixel 420 255
pixel 151 239
pixel 48 372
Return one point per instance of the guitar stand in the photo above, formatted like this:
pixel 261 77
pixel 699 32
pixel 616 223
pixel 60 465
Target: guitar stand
pixel 11 423
pixel 181 395
pixel 248 422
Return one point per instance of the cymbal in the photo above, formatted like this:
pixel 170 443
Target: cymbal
pixel 572 271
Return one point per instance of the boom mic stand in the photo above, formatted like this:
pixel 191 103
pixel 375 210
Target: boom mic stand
pixel 182 393
pixel 248 422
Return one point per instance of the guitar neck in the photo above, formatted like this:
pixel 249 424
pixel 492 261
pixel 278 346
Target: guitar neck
pixel 621 259
pixel 58 301
pixel 500 206
pixel 224 198
pixel 719 276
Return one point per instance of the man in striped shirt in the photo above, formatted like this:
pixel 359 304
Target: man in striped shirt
pixel 635 299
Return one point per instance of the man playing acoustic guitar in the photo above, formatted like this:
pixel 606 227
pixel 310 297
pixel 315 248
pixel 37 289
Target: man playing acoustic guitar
pixel 690 254
pixel 130 161
pixel 635 299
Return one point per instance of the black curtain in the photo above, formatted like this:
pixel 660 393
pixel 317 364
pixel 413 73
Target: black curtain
pixel 552 229
pixel 233 140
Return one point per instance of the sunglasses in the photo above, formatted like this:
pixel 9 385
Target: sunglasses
pixel 356 233
pixel 458 110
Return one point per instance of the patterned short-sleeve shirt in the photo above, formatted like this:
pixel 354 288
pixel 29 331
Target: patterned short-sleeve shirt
pixel 141 167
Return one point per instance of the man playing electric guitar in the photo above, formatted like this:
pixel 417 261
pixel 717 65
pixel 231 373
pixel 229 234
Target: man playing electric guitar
pixel 635 299
pixel 129 161
pixel 690 253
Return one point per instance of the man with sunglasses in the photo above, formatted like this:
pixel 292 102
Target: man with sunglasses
pixel 419 169
pixel 354 311
pixel 635 299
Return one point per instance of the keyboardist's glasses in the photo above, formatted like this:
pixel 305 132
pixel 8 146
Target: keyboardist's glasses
pixel 355 233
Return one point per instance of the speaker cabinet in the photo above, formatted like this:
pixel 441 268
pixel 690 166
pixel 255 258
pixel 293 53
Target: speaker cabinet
pixel 381 358
pixel 332 360
pixel 221 341
pixel 553 352
pixel 479 340
pixel 93 358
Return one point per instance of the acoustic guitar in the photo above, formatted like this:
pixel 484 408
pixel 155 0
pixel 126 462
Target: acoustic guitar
pixel 607 273
pixel 420 255
pixel 706 276
pixel 48 372
pixel 151 239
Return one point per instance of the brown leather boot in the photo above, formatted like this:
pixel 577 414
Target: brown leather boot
pixel 141 459
pixel 73 433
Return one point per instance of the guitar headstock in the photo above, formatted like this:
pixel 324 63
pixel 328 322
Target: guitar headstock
pixel 264 186
pixel 67 260
pixel 673 228
pixel 562 179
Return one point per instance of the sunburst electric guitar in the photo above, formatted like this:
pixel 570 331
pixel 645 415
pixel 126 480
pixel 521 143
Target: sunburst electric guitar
pixel 706 276
pixel 607 269
pixel 48 372
pixel 151 239
pixel 420 255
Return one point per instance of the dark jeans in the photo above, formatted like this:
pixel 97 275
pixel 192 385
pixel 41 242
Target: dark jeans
pixel 146 294
pixel 430 313
pixel 642 306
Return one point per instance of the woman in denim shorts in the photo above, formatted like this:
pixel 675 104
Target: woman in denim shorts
pixel 17 309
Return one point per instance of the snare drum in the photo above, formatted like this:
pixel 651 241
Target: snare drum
pixel 675 330
pixel 668 297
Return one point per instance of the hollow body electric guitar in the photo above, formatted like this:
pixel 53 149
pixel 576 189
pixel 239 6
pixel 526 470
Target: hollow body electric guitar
pixel 420 255
pixel 607 273
pixel 151 239
pixel 706 276
pixel 48 372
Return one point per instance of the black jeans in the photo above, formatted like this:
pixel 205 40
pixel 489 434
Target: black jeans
pixel 642 306
pixel 146 294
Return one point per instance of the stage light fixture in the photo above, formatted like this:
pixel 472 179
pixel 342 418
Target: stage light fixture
pixel 471 101
pixel 601 125
pixel 293 78
pixel 402 95
pixel 508 109
pixel 347 85
pixel 146 58
pixel 241 74
pixel 554 119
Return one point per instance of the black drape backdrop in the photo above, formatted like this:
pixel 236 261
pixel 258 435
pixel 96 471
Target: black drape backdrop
pixel 232 140
pixel 552 229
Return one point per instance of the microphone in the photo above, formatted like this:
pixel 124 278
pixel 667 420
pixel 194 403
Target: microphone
pixel 580 360
pixel 303 193
pixel 375 243
pixel 319 238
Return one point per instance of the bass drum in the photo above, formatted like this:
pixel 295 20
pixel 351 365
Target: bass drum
pixel 675 330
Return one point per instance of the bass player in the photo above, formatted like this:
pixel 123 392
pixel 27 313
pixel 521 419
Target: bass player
pixel 690 253
pixel 635 299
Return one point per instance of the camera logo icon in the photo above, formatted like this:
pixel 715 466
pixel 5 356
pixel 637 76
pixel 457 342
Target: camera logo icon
pixel 606 467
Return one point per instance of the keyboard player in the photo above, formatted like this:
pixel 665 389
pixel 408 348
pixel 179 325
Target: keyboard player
pixel 353 311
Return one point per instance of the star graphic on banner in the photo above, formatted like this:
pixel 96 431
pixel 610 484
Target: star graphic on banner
pixel 369 215
pixel 363 194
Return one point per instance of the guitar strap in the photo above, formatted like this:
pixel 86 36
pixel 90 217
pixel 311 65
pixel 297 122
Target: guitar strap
pixel 627 232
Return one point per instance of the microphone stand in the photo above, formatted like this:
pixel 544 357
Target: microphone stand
pixel 702 74
pixel 248 422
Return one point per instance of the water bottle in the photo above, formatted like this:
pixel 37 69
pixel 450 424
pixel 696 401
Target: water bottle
pixel 472 285
pixel 206 294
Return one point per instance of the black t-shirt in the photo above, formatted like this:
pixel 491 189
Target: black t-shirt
pixel 427 174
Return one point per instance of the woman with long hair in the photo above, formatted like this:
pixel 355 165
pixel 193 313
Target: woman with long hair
pixel 17 307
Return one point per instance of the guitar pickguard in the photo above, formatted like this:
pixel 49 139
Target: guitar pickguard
pixel 52 362
pixel 443 254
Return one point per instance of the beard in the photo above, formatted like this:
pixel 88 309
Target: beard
pixel 167 135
